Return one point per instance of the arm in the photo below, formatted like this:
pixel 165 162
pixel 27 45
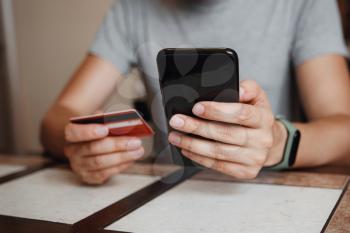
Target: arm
pixel 78 98
pixel 92 154
pixel 324 86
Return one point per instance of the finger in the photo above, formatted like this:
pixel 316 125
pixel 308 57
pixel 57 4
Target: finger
pixel 83 133
pixel 93 163
pixel 100 177
pixel 252 93
pixel 232 169
pixel 215 150
pixel 103 146
pixel 234 113
pixel 226 133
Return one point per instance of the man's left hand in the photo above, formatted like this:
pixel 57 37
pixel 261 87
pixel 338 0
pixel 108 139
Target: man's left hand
pixel 237 139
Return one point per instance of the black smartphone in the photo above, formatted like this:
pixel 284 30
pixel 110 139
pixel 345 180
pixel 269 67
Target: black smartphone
pixel 188 76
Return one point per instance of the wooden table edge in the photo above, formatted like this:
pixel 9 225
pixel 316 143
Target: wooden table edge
pixel 340 219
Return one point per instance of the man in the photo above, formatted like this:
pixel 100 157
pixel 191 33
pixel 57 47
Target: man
pixel 238 139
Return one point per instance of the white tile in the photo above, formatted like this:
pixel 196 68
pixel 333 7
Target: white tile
pixel 8 169
pixel 203 206
pixel 56 195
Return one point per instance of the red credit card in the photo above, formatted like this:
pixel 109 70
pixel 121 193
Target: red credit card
pixel 121 123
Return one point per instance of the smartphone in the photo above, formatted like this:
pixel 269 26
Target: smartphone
pixel 191 75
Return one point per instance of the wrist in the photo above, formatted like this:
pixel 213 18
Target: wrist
pixel 276 153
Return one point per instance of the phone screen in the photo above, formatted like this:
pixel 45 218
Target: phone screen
pixel 188 76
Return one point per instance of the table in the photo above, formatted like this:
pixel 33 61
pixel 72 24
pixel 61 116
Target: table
pixel 147 189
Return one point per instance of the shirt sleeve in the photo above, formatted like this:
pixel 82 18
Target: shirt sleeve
pixel 318 31
pixel 114 41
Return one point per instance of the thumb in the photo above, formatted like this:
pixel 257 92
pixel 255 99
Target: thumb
pixel 252 93
pixel 83 133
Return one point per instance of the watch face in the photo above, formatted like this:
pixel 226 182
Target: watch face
pixel 294 149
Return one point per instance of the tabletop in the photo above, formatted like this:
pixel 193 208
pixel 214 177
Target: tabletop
pixel 31 187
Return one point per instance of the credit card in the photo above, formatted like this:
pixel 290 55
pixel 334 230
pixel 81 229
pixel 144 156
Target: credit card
pixel 121 123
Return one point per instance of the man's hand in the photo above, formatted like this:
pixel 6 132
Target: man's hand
pixel 243 137
pixel 94 156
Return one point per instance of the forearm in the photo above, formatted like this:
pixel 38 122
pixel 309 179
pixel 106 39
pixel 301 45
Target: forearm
pixel 324 141
pixel 78 98
pixel 52 130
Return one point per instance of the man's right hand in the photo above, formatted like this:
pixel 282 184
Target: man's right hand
pixel 95 156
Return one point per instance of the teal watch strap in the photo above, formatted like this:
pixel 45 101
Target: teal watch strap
pixel 291 147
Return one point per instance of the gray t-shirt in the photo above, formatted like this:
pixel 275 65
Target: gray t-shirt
pixel 269 36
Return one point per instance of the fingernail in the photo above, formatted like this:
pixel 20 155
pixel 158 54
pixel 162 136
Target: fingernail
pixel 137 154
pixel 174 139
pixel 177 122
pixel 241 91
pixel 101 131
pixel 134 144
pixel 198 109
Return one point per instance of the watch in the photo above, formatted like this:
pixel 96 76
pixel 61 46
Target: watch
pixel 291 147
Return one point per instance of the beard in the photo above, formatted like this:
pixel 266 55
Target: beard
pixel 190 3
